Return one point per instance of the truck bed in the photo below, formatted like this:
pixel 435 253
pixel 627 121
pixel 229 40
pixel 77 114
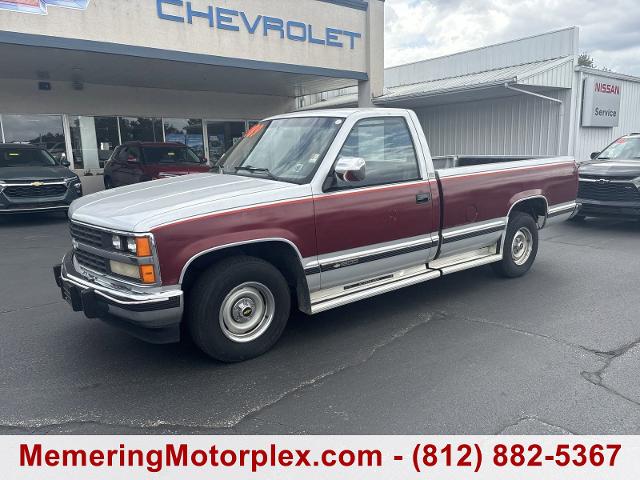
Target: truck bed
pixel 477 191
pixel 455 161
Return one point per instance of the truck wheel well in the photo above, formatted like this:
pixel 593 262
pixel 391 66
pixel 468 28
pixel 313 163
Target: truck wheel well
pixel 280 254
pixel 536 207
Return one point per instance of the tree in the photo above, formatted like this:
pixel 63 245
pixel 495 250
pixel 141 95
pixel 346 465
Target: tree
pixel 585 60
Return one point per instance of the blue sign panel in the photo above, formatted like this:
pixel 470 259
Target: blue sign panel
pixel 238 21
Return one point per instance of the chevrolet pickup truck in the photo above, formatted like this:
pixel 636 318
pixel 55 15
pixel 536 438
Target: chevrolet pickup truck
pixel 312 211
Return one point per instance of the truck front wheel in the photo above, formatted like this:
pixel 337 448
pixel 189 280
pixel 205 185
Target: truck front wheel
pixel 520 246
pixel 238 309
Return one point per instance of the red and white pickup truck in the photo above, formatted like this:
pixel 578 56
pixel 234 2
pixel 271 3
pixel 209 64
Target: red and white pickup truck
pixel 313 210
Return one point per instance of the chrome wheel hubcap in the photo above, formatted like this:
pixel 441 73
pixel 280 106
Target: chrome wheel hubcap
pixel 247 311
pixel 522 246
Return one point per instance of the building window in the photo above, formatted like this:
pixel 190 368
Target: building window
pixel 140 129
pixel 93 140
pixel 187 131
pixel 44 131
pixel 222 136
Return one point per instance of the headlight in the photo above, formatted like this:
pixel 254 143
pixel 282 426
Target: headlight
pixel 72 181
pixel 145 273
pixel 139 246
pixel 636 182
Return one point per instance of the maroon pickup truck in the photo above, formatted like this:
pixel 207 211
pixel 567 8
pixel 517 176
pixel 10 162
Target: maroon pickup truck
pixel 312 211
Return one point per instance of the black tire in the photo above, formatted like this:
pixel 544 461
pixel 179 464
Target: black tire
pixel 108 183
pixel 509 267
pixel 577 218
pixel 207 298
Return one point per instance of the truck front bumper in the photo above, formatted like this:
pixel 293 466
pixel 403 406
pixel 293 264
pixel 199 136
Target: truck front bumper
pixel 154 317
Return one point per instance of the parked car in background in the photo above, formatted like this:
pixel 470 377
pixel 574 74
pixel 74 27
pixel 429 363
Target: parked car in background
pixel 32 180
pixel 136 162
pixel 314 210
pixel 610 182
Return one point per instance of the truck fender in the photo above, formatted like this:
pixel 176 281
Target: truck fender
pixel 289 262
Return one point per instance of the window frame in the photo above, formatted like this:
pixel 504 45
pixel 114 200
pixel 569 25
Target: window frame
pixel 331 174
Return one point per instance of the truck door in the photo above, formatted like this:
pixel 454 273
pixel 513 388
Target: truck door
pixel 384 223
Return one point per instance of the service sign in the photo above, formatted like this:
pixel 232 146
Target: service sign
pixel 601 104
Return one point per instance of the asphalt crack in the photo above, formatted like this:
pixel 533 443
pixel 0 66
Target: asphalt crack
pixel 597 377
pixel 573 346
pixel 231 423
pixel 563 430
pixel 359 362
pixel 32 307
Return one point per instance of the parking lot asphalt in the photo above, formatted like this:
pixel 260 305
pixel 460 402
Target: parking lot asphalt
pixel 557 351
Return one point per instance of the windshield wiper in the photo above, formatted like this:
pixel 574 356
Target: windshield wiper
pixel 251 169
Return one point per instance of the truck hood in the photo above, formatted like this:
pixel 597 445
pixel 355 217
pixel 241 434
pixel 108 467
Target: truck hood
pixel 611 168
pixel 8 174
pixel 145 206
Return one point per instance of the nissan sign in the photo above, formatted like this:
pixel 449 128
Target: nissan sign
pixel 601 104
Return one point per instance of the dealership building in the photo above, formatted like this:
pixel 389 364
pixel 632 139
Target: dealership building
pixel 83 76
pixel 525 97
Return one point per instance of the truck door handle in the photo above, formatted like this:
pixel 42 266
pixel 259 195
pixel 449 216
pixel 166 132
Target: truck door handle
pixel 423 198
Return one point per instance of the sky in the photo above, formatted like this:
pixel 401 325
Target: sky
pixel 421 29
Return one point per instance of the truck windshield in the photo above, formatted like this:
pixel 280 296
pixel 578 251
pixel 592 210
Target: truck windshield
pixel 622 149
pixel 25 157
pixel 289 149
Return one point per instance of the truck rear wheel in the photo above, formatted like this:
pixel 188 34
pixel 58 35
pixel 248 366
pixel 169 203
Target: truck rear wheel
pixel 520 246
pixel 238 309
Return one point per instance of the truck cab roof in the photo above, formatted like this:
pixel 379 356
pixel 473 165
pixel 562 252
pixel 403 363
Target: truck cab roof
pixel 343 113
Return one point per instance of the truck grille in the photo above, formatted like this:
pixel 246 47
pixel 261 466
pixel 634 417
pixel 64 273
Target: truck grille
pixel 609 192
pixel 87 235
pixel 609 177
pixel 91 261
pixel 29 191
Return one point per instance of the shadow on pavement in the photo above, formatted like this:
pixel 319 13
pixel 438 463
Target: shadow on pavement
pixel 32 219
pixel 606 224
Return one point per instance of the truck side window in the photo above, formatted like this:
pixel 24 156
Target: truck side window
pixel 387 148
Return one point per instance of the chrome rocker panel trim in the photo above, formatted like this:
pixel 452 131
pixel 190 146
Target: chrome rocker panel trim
pixel 339 296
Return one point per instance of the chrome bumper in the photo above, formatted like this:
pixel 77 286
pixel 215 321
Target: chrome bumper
pixel 153 316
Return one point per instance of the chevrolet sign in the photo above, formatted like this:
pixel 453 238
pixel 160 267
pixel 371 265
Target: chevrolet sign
pixel 226 19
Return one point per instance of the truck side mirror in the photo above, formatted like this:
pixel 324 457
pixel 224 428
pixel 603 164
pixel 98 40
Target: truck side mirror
pixel 595 155
pixel 351 169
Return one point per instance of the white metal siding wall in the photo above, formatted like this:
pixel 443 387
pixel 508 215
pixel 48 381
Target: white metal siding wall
pixel 593 139
pixel 517 125
pixel 550 45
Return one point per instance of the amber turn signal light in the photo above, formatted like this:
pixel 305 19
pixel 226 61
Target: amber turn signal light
pixel 147 274
pixel 143 247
